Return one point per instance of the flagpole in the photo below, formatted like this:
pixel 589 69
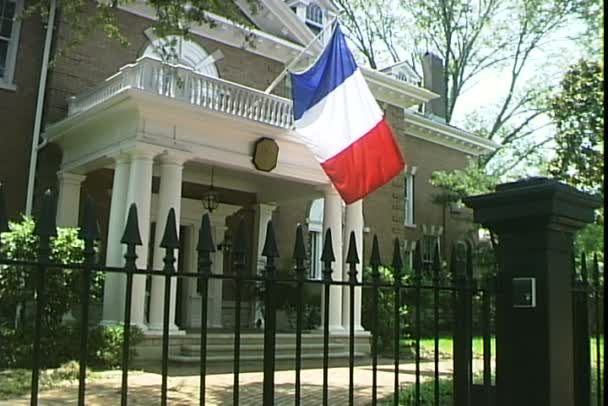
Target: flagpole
pixel 295 60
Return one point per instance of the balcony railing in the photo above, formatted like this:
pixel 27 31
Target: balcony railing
pixel 184 84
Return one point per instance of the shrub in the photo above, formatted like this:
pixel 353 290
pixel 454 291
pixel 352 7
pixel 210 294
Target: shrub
pixel 385 316
pixel 62 286
pixel 61 345
pixel 105 345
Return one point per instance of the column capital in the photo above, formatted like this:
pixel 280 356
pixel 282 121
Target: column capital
pixel 330 190
pixel 70 178
pixel 265 208
pixel 174 158
pixel 139 152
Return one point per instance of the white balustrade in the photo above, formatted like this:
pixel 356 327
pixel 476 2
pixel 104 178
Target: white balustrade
pixel 181 83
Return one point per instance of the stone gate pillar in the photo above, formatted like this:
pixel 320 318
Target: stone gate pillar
pixel 535 220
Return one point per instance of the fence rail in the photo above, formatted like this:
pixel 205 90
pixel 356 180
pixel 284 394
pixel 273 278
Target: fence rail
pixel 465 292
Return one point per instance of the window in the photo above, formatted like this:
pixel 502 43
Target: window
pixel 314 14
pixel 9 36
pixel 183 52
pixel 408 197
pixel 430 240
pixel 315 237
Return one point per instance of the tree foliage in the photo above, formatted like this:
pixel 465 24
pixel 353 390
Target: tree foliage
pixel 578 111
pixel 475 38
pixel 174 17
pixel 62 286
pixel 456 184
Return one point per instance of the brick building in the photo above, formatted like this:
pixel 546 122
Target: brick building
pixel 122 126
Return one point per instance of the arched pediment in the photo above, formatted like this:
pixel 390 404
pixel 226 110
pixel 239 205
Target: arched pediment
pixel 183 52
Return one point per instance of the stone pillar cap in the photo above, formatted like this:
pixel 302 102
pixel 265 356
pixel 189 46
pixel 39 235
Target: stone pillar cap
pixel 532 200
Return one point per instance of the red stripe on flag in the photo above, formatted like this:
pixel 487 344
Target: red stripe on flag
pixel 365 165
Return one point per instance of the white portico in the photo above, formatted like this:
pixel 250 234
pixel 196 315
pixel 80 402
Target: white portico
pixel 161 128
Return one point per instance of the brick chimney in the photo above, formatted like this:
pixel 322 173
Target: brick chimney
pixel 432 74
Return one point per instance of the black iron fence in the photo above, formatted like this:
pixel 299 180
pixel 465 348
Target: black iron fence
pixel 588 319
pixel 458 284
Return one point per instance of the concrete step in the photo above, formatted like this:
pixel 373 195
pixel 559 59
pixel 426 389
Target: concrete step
pixel 189 359
pixel 257 348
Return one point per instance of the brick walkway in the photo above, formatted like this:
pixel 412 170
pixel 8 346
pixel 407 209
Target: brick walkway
pixel 144 388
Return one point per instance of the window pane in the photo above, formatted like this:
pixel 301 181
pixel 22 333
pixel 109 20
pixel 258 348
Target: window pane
pixel 6 26
pixel 3 50
pixel 9 9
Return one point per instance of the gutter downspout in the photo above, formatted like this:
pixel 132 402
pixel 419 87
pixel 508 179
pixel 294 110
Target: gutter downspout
pixel 39 108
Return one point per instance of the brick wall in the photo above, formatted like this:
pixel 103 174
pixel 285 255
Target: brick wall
pixel 17 109
pixel 383 210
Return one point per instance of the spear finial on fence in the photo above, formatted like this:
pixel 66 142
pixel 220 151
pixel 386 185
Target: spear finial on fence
pixel 270 249
pixel 89 228
pixel 596 271
pixel 352 256
pixel 327 255
pixel 584 268
pixel 46 225
pixel 131 234
pixel 205 237
pixel 170 239
pixel 457 261
pixel 397 261
pixel 239 246
pixel 436 258
pixel 3 216
pixel 299 249
pixel 418 263
pixel 375 259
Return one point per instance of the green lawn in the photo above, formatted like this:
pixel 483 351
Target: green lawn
pixel 17 382
pixel 446 350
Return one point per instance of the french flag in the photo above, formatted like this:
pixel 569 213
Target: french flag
pixel 337 116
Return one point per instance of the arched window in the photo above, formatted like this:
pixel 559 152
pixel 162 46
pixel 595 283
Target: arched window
pixel 314 14
pixel 183 52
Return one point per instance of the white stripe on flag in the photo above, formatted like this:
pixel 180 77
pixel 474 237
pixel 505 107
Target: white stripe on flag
pixel 345 115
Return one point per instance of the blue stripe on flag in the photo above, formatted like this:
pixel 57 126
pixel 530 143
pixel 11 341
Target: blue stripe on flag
pixel 335 65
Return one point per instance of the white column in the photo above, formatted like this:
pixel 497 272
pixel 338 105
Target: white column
pixel 263 214
pixel 169 196
pixel 353 222
pixel 332 219
pixel 140 193
pixel 68 202
pixel 114 285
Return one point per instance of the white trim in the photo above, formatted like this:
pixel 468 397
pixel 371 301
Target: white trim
pixel 8 81
pixel 446 135
pixel 8 86
pixel 189 54
pixel 409 218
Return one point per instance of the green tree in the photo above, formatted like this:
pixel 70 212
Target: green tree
pixel 174 17
pixel 476 38
pixel 578 112
pixel 456 184
pixel 62 286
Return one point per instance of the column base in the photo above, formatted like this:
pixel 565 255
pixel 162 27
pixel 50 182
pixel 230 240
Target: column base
pixel 333 329
pixel 157 329
pixel 107 323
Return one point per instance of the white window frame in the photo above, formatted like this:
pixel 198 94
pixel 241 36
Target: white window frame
pixel 315 235
pixel 322 14
pixel 409 197
pixel 8 80
pixel 189 54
